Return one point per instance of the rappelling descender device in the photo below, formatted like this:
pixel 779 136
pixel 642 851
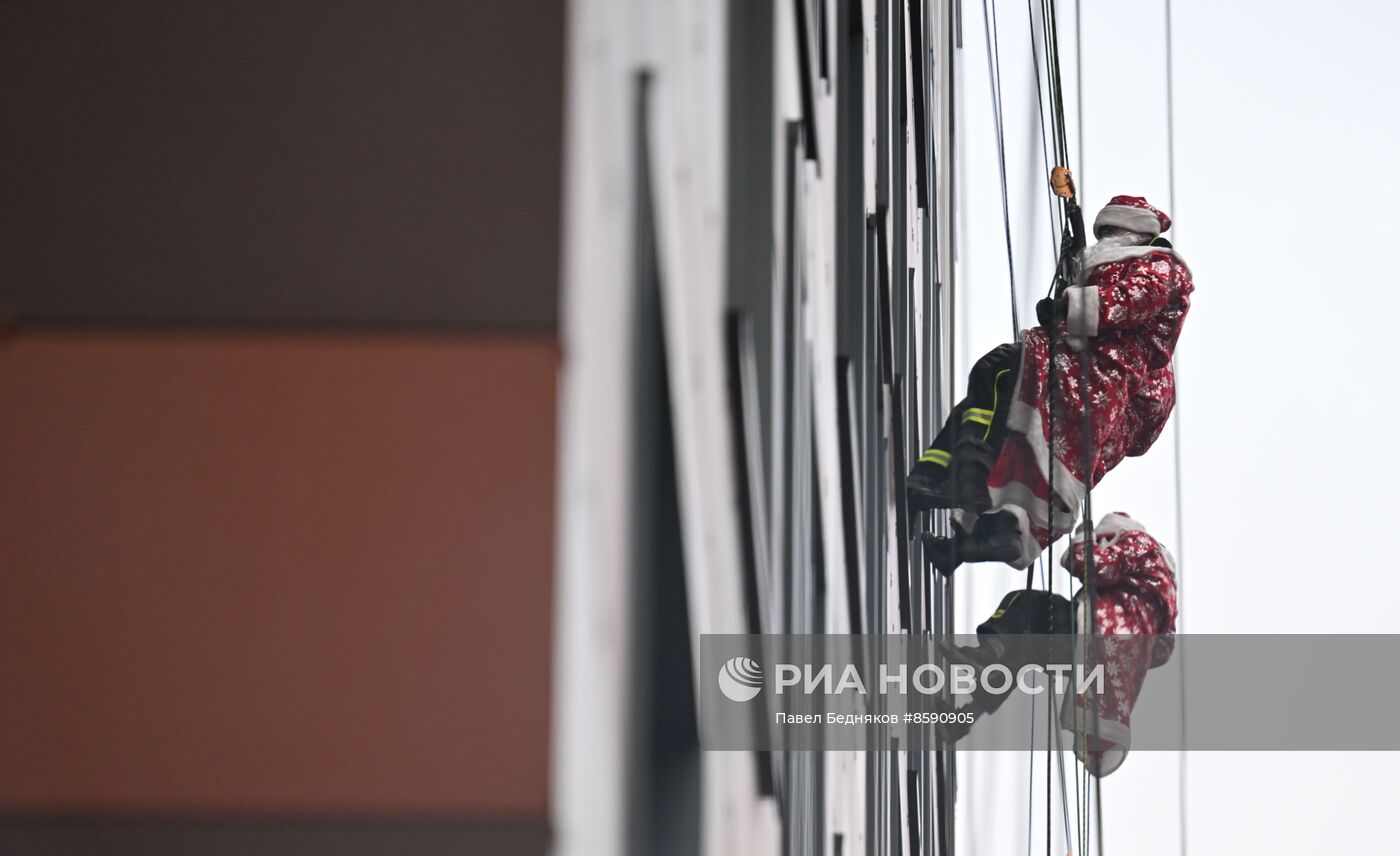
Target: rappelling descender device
pixel 1072 243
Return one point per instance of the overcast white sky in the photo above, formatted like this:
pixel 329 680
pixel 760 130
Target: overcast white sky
pixel 1286 136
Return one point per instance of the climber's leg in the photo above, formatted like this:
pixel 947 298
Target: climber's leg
pixel 952 472
pixel 1015 636
pixel 934 465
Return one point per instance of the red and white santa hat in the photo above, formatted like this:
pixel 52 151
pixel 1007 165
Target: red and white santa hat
pixel 1134 214
pixel 1115 523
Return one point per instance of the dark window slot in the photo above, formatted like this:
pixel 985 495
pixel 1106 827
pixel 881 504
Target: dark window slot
pixel 918 63
pixel 746 438
pixel 886 322
pixel 913 802
pixel 894 792
pixel 666 749
pixel 901 508
pixel 943 802
pixel 850 502
pixel 804 76
pixel 850 181
pixel 818 546
pixel 787 404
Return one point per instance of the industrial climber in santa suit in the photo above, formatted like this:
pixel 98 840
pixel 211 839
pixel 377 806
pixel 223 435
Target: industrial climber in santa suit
pixel 1135 611
pixel 1112 331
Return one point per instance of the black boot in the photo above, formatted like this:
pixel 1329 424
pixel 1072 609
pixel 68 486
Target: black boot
pixel 942 552
pixel 960 484
pixel 972 466
pixel 930 485
pixel 1028 611
pixel 994 538
pixel 1013 636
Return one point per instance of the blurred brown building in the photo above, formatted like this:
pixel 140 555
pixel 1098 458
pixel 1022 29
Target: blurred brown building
pixel 277 424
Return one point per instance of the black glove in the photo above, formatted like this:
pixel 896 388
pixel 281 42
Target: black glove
pixel 1049 311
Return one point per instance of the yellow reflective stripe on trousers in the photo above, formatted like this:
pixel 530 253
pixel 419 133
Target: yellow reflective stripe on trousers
pixel 936 456
pixel 978 415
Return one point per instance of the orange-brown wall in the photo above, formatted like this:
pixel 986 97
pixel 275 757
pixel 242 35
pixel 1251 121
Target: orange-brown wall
pixel 261 572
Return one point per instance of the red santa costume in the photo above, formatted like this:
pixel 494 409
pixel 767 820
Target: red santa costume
pixel 1112 356
pixel 1135 615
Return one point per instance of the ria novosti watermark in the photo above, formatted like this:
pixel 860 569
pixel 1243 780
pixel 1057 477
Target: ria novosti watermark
pixel 741 679
pixel 1234 693
pixel 930 679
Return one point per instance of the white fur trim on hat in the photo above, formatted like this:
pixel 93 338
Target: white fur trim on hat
pixel 1138 220
pixel 1118 522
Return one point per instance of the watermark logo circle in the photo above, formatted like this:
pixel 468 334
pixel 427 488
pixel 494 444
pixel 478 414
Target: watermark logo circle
pixel 740 679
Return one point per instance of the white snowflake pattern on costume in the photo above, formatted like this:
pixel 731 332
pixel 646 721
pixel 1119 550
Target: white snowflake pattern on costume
pixel 1135 616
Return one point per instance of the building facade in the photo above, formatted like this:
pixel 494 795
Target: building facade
pixel 758 341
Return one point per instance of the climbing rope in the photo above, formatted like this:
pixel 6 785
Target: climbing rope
pixel 1030 786
pixel 1062 186
pixel 989 26
pixel 1057 98
pixel 1040 111
pixel 1091 584
pixel 944 759
pixel 1059 185
pixel 1079 80
pixel 1176 447
pixel 1060 137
